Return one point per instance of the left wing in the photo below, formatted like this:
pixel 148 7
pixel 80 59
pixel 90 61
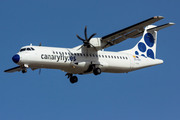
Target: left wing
pixel 129 32
pixel 18 68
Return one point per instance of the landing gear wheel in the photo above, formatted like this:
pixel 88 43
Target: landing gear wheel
pixel 73 79
pixel 97 71
pixel 24 71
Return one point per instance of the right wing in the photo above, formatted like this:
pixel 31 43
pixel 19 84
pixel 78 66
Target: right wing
pixel 18 68
pixel 129 32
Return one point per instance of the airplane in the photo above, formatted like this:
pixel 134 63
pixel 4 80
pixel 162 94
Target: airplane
pixel 90 57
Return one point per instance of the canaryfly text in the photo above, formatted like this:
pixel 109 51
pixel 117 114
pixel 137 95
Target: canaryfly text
pixel 58 57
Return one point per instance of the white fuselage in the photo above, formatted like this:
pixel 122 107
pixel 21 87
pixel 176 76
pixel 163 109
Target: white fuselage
pixel 78 62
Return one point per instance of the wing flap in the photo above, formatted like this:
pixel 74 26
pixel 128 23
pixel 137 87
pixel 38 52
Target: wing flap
pixel 18 68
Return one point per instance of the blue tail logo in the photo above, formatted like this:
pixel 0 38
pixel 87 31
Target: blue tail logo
pixel 145 46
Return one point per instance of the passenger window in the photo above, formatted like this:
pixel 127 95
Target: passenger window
pixel 90 55
pixel 112 56
pixel 106 56
pixel 78 54
pixel 99 55
pixel 117 57
pixel 120 57
pixel 74 53
pixel 103 56
pixel 126 58
pixel 84 54
pixel 53 52
pixel 96 55
pixel 87 55
pixel 66 53
pixel 93 55
pixel 123 58
pixel 56 52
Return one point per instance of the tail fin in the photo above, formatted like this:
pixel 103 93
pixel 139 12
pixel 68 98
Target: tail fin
pixel 147 45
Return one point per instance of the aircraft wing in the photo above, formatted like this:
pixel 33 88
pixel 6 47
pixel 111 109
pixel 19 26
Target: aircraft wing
pixel 129 32
pixel 18 68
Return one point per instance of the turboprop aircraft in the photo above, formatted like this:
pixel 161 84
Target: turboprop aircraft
pixel 90 57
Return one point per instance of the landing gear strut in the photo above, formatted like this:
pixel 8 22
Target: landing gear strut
pixel 72 79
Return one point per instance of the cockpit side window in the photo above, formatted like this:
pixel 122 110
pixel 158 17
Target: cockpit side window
pixel 28 49
pixel 32 48
pixel 23 49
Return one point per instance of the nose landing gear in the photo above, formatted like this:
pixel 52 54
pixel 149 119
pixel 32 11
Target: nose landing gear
pixel 24 70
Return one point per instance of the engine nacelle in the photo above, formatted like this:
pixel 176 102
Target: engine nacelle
pixel 96 42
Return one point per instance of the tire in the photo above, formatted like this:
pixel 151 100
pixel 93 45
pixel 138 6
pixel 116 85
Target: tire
pixel 24 71
pixel 73 79
pixel 97 71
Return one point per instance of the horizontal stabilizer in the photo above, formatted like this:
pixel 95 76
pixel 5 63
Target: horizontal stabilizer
pixel 18 68
pixel 160 27
pixel 155 29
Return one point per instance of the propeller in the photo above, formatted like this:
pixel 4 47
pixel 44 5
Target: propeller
pixel 86 41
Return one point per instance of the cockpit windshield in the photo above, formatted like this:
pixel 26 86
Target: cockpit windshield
pixel 27 49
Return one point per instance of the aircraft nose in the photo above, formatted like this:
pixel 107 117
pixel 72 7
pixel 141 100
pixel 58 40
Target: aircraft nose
pixel 16 58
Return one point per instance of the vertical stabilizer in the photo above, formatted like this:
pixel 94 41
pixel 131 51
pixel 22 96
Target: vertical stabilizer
pixel 147 45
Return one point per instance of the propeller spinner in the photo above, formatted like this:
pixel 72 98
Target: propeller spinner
pixel 86 41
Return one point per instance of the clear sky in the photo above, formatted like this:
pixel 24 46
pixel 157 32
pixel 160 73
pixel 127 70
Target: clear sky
pixel 147 94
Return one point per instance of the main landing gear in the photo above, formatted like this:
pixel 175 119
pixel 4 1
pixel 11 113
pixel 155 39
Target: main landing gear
pixel 97 71
pixel 72 79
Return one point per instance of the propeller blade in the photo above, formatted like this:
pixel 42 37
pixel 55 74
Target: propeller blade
pixel 91 36
pixel 79 37
pixel 85 33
